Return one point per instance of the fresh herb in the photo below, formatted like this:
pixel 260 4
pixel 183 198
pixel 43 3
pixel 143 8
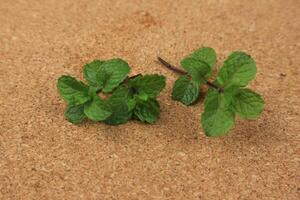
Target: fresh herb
pixel 227 96
pixel 127 97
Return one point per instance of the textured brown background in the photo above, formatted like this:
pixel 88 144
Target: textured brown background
pixel 42 156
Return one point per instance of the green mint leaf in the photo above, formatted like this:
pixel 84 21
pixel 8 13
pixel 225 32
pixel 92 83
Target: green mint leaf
pixel 196 68
pixel 248 104
pixel 121 105
pixel 185 90
pixel 147 111
pixel 112 73
pixel 150 85
pixel 229 94
pixel 75 113
pixel 206 54
pixel 72 91
pixel 237 70
pixel 90 71
pixel 218 116
pixel 102 78
pixel 96 109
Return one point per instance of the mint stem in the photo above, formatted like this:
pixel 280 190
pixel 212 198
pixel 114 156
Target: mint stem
pixel 134 76
pixel 130 77
pixel 182 72
pixel 221 90
pixel 171 67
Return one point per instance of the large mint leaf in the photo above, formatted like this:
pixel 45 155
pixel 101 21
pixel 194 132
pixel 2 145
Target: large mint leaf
pixel 185 90
pixel 248 104
pixel 90 71
pixel 218 116
pixel 147 111
pixel 112 73
pixel 196 69
pixel 205 54
pixel 96 109
pixel 72 91
pixel 237 70
pixel 75 113
pixel 150 85
pixel 121 104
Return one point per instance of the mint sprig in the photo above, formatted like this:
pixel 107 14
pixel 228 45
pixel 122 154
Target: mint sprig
pixel 128 97
pixel 198 68
pixel 227 96
pixel 144 90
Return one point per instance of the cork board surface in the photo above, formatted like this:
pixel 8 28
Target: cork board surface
pixel 42 156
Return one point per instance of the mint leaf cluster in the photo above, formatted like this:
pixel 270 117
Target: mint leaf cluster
pixel 112 97
pixel 199 67
pixel 227 96
pixel 127 97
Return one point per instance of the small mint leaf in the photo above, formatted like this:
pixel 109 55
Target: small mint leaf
pixel 206 54
pixel 72 91
pixel 196 68
pixel 150 85
pixel 237 70
pixel 90 71
pixel 218 116
pixel 75 113
pixel 120 104
pixel 96 109
pixel 248 104
pixel 147 111
pixel 112 73
pixel 185 90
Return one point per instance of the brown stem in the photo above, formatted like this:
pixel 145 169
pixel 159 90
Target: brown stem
pixel 134 76
pixel 131 77
pixel 171 67
pixel 221 90
pixel 182 72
